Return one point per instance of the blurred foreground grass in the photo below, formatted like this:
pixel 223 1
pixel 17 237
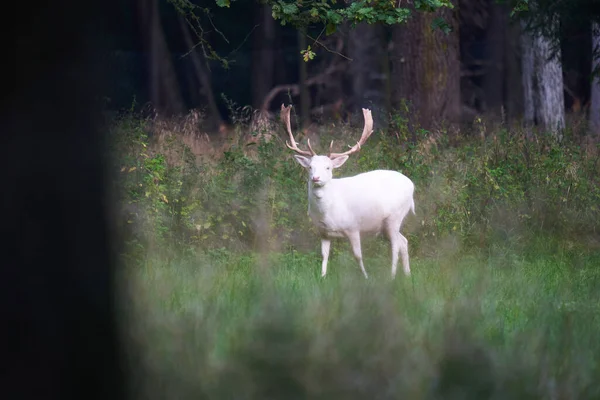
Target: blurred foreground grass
pixel 510 325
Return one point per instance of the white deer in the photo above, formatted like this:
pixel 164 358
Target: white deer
pixel 370 203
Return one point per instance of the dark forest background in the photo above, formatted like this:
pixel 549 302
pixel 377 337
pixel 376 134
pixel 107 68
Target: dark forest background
pixel 479 68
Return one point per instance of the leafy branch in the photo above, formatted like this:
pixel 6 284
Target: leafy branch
pixel 301 14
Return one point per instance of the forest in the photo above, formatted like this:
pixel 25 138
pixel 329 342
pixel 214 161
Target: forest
pixel 153 155
pixel 490 108
pixel 486 57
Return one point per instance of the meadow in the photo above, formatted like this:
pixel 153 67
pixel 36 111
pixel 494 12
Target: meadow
pixel 220 268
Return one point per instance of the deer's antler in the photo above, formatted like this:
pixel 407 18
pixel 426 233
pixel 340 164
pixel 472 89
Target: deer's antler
pixel 285 117
pixel 367 130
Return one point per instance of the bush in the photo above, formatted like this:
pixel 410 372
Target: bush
pixel 478 191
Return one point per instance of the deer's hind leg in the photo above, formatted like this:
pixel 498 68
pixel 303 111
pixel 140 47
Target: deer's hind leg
pixel 398 244
pixel 325 246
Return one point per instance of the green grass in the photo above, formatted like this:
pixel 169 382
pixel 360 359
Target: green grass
pixel 223 299
pixel 523 325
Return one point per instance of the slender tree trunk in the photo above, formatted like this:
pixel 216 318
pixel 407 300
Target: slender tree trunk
pixel 493 84
pixel 514 85
pixel 387 80
pixel 263 60
pixel 203 76
pixel 426 69
pixel 595 89
pixel 528 68
pixel 543 84
pixel 154 49
pixel 365 47
pixel 550 93
pixel 304 94
pixel 163 86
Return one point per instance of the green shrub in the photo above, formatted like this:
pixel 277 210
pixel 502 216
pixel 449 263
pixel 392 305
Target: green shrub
pixel 506 187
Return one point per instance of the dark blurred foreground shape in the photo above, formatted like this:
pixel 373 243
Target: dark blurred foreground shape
pixel 58 322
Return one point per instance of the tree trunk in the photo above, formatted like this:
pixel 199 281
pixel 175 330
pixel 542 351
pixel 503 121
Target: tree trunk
pixel 203 77
pixel 493 83
pixel 543 84
pixel 163 86
pixel 426 69
pixel 595 89
pixel 154 53
pixel 304 94
pixel 528 69
pixel 513 94
pixel 365 47
pixel 263 60
pixel 550 93
pixel 62 292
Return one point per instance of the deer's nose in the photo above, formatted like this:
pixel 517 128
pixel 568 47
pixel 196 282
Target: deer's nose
pixel 315 178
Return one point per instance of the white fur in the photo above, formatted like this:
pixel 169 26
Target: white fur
pixel 371 202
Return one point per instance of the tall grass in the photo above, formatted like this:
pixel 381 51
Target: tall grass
pixel 223 296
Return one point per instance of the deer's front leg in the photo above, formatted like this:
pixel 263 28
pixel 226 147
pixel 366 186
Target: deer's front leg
pixel 325 246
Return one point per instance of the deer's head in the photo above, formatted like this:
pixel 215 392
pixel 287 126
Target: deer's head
pixel 320 168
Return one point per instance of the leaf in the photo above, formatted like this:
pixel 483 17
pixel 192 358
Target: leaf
pixel 223 3
pixel 289 9
pixel 439 23
pixel 335 17
pixel 522 5
pixel 331 28
pixel 307 54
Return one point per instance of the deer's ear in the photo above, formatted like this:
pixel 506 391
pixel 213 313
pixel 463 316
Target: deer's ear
pixel 304 161
pixel 339 161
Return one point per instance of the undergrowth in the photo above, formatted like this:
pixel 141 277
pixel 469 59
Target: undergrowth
pixel 504 187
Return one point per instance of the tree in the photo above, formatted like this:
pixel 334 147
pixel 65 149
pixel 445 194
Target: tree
pixel 327 16
pixel 63 335
pixel 263 57
pixel 494 80
pixel 426 68
pixel 540 18
pixel 203 77
pixel 366 49
pixel 542 82
pixel 595 89
pixel 162 79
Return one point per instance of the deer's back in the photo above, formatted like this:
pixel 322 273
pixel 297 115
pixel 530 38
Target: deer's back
pixel 379 186
pixel 365 200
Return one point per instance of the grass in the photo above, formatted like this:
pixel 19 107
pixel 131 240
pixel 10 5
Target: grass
pixel 466 326
pixel 223 299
